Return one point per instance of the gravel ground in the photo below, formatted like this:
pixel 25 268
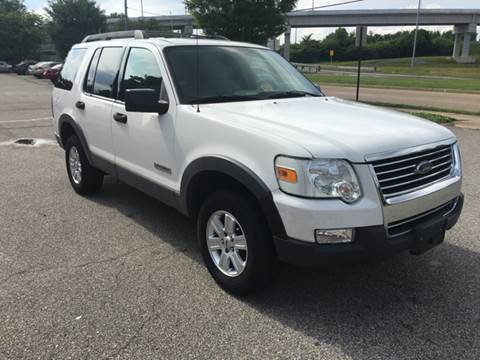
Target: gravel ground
pixel 118 275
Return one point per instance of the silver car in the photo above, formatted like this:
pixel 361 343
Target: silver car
pixel 5 67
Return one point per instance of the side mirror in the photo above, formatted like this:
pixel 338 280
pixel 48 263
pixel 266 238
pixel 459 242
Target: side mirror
pixel 145 100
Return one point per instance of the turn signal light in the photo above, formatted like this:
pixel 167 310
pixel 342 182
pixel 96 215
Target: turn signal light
pixel 287 175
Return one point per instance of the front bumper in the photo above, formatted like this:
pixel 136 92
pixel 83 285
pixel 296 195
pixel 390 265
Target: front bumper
pixel 371 243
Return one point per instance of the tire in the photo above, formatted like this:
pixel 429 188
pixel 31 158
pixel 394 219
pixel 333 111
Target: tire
pixel 90 179
pixel 259 260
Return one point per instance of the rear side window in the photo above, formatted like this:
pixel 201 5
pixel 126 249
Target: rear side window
pixel 72 63
pixel 106 76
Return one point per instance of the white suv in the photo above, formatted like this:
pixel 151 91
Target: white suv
pixel 233 135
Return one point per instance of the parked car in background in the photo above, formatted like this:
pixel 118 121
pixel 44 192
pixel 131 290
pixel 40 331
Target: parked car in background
pixel 22 67
pixel 33 67
pixel 5 67
pixel 53 72
pixel 39 68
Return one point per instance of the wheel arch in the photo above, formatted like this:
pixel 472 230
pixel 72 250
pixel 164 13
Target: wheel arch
pixel 68 127
pixel 234 174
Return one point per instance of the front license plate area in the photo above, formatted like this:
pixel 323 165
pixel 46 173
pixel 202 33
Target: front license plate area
pixel 428 235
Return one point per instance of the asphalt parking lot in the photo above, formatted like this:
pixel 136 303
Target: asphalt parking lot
pixel 118 275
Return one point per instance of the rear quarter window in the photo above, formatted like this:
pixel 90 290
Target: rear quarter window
pixel 70 69
pixel 92 68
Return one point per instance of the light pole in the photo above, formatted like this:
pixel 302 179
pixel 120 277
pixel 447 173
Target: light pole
pixel 126 15
pixel 416 34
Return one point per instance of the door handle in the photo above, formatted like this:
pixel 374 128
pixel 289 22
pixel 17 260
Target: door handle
pixel 121 118
pixel 80 105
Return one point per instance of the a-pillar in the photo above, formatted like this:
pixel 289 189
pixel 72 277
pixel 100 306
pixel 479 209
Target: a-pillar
pixel 286 44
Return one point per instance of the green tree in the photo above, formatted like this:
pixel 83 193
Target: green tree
pixel 72 20
pixel 20 31
pixel 244 20
pixel 379 46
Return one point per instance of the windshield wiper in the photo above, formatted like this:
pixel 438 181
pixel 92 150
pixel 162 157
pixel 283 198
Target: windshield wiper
pixel 259 96
pixel 285 94
pixel 222 98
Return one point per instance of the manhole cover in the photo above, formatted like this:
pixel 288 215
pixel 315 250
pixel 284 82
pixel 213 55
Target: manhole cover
pixel 25 141
pixel 28 142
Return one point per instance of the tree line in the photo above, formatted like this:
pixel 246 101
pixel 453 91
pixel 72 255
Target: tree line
pixel 67 22
pixel 23 32
pixel 398 45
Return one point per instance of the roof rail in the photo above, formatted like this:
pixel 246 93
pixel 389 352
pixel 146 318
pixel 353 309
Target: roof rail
pixel 137 34
pixel 141 34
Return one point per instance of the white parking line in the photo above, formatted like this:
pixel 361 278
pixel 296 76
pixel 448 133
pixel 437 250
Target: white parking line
pixel 25 120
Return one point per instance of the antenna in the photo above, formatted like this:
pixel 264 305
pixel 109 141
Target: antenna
pixel 197 74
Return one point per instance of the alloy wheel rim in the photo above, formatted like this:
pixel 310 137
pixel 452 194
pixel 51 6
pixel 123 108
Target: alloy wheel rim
pixel 75 165
pixel 226 243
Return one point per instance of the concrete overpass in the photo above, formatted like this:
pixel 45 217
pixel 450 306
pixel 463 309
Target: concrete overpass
pixel 464 21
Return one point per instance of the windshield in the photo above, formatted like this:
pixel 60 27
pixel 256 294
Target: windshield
pixel 229 73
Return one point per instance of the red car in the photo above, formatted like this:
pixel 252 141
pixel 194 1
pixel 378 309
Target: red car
pixel 53 72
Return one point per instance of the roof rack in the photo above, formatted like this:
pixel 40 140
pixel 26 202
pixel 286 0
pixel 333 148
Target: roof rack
pixel 141 34
pixel 137 34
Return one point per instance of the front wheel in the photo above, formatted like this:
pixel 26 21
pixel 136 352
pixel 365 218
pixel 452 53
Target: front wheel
pixel 84 178
pixel 235 242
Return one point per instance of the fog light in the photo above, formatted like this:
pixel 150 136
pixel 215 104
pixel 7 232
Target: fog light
pixel 341 236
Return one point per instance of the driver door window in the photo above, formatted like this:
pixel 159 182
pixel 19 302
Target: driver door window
pixel 142 72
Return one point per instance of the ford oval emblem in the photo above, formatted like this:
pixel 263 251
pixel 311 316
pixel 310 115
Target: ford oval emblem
pixel 424 167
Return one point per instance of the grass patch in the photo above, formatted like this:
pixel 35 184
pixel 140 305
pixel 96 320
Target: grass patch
pixel 440 119
pixel 404 82
pixel 421 108
pixel 427 66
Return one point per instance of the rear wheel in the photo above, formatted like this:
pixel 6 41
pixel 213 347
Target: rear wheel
pixel 84 178
pixel 235 242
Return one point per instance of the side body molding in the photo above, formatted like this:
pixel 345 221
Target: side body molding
pixel 242 174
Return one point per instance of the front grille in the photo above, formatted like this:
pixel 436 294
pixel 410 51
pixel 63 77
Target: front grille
pixel 399 175
pixel 406 226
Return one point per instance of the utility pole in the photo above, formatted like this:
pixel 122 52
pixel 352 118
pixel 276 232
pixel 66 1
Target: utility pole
pixel 126 15
pixel 416 34
pixel 141 7
pixel 360 42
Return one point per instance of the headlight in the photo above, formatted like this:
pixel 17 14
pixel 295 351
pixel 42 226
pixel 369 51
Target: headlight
pixel 318 178
pixel 457 160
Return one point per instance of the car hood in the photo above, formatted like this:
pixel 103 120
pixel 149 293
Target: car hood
pixel 333 128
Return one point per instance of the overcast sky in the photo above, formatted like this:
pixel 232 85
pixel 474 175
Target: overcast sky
pixel 175 7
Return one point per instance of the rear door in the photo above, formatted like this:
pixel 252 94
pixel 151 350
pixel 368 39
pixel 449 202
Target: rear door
pixel 144 142
pixel 94 105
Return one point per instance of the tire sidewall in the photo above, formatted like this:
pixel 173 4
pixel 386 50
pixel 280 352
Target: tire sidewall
pixel 73 141
pixel 256 235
